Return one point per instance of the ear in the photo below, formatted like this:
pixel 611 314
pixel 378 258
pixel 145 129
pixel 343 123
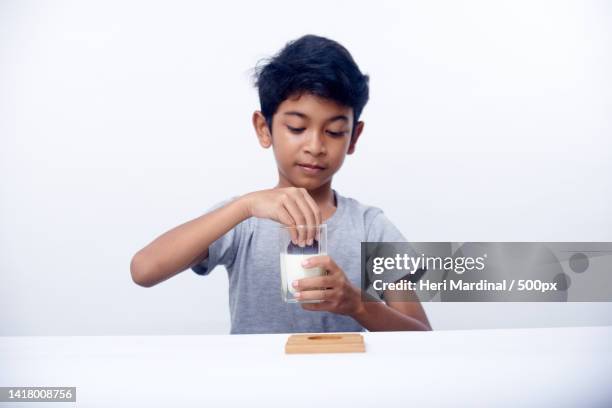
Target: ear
pixel 261 128
pixel 358 130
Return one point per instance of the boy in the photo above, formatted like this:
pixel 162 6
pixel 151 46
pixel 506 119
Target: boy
pixel 311 94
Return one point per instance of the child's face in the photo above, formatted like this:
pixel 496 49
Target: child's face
pixel 310 137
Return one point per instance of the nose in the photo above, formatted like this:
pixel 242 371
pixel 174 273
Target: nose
pixel 315 143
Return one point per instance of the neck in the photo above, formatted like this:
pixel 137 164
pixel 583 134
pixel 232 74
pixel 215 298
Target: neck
pixel 322 195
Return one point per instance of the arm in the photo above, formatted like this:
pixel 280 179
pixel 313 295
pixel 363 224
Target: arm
pixel 185 245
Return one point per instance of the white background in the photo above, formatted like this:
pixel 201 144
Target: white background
pixel 488 121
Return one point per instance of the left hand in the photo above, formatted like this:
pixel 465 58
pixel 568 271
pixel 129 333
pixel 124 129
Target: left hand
pixel 339 296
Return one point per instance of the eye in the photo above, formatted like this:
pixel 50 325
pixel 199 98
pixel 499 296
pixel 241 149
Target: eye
pixel 335 134
pixel 295 130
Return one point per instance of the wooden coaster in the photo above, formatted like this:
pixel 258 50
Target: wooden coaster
pixel 325 343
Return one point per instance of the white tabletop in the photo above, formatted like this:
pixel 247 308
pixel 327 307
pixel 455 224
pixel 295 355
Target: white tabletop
pixel 526 367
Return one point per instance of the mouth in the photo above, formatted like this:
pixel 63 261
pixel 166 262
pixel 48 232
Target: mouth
pixel 310 168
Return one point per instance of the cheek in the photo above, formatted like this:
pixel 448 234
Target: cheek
pixel 340 147
pixel 284 148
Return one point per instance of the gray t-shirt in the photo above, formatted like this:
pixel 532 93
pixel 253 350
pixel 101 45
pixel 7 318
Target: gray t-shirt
pixel 250 254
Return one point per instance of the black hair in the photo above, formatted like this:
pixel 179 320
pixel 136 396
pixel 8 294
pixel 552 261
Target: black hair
pixel 315 65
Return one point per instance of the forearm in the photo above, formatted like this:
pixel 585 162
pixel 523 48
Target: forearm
pixel 378 316
pixel 185 245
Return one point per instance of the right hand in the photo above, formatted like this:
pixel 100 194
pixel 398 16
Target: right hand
pixel 291 206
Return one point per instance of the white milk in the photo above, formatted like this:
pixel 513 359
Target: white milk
pixel 291 269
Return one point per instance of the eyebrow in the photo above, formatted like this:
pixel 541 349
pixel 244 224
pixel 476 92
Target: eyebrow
pixel 304 116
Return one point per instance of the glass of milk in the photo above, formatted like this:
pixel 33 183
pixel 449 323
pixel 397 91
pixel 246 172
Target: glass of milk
pixel 292 255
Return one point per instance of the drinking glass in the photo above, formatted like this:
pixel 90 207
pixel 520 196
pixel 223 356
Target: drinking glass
pixel 292 255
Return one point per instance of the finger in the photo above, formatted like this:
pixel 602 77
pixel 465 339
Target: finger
pixel 298 218
pixel 306 231
pixel 308 216
pixel 313 295
pixel 316 307
pixel 317 215
pixel 323 261
pixel 314 282
pixel 315 208
pixel 285 218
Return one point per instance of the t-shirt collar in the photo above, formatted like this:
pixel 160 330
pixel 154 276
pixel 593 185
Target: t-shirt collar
pixel 334 220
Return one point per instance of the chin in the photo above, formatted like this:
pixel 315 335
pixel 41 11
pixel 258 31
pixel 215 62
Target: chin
pixel 308 184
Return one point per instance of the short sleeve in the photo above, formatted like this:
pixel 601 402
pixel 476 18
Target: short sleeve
pixel 222 251
pixel 381 229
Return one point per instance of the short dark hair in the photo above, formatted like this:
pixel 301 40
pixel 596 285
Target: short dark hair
pixel 315 65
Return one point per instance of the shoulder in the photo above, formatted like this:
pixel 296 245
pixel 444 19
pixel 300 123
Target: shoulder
pixel 357 209
pixel 375 223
